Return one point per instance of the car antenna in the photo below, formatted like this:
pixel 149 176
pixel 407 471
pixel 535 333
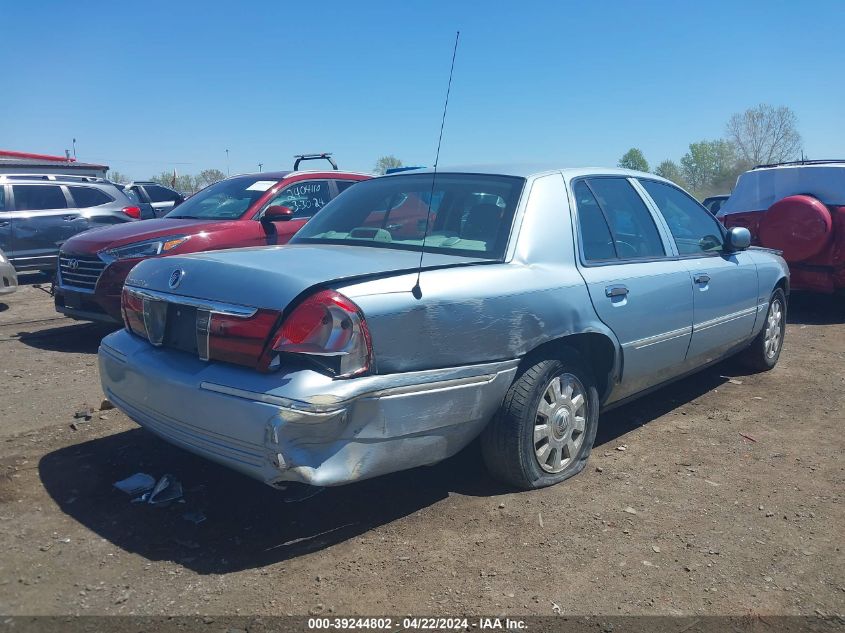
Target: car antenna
pixel 416 290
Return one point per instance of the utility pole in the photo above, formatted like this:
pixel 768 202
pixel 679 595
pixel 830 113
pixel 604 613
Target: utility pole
pixel 260 165
pixel 74 148
pixel 227 162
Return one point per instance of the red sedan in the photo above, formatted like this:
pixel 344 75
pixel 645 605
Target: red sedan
pixel 248 210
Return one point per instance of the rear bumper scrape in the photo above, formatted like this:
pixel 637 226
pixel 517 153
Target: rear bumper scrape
pixel 301 426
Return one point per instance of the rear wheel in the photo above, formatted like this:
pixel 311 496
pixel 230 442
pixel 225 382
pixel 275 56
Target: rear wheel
pixel 545 429
pixel 764 352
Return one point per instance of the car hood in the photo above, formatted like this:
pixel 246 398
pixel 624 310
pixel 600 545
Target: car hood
pixel 130 232
pixel 271 277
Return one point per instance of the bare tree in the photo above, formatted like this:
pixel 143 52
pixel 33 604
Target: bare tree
pixel 116 176
pixel 765 134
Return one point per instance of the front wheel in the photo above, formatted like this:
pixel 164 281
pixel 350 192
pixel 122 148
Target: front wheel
pixel 764 351
pixel 545 429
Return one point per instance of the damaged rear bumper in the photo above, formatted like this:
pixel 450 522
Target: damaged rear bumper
pixel 300 425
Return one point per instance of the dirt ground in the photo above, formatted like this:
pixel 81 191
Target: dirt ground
pixel 711 496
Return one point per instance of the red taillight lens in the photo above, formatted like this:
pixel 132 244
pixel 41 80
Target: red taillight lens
pixel 331 330
pixel 235 339
pixel 133 212
pixel 132 307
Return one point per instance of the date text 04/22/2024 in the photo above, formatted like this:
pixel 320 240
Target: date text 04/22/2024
pixel 420 623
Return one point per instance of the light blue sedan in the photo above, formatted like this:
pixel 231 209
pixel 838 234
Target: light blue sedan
pixel 418 311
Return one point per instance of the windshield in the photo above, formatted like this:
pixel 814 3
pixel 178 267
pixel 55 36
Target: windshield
pixel 224 200
pixel 471 214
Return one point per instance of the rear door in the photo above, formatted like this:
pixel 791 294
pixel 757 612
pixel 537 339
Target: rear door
pixel 6 244
pixel 638 287
pixel 162 199
pixel 725 283
pixel 41 222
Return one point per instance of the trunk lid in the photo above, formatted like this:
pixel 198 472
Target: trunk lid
pixel 271 277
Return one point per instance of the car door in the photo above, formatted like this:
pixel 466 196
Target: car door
pixel 724 283
pixel 637 286
pixel 304 198
pixel 6 244
pixel 41 222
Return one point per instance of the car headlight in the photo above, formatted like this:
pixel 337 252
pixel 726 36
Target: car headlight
pixel 148 248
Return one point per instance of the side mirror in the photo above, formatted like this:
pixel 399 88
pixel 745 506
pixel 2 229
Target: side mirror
pixel 739 238
pixel 277 213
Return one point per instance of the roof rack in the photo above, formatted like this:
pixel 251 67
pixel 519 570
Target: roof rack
pixel 818 161
pixel 322 156
pixel 68 177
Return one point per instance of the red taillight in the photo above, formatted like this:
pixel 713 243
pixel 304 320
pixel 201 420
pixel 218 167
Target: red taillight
pixel 133 212
pixel 329 329
pixel 235 339
pixel 132 307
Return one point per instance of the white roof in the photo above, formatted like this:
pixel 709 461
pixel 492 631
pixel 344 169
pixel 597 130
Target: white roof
pixel 758 189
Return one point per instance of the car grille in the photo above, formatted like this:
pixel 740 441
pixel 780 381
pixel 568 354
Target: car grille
pixel 80 271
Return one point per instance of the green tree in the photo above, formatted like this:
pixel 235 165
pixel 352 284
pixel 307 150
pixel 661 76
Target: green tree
pixel 765 134
pixel 633 159
pixel 386 162
pixel 709 166
pixel 669 170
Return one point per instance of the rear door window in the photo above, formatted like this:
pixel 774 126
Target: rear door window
pixel 85 197
pixel 38 197
pixel 596 240
pixel 343 185
pixel 696 231
pixel 635 234
pixel 161 194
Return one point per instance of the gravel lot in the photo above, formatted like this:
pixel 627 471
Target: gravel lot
pixel 712 496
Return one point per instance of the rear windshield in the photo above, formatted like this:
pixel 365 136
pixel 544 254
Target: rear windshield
pixel 224 200
pixel 465 214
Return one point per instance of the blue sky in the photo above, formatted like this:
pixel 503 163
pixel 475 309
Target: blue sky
pixel 146 87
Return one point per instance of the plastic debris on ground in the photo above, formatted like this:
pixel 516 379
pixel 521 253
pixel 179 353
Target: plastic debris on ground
pixel 167 489
pixel 139 482
pixel 196 517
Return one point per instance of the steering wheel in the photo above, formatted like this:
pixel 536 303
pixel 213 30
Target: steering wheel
pixel 627 249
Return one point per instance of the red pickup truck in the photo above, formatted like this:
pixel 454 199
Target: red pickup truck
pixel 248 210
pixel 797 208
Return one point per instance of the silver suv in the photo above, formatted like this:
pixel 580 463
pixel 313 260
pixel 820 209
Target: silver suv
pixel 39 212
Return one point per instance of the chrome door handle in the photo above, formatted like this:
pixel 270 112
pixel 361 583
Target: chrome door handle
pixel 701 278
pixel 615 291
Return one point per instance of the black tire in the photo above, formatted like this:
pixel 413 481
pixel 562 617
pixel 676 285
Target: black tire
pixel 757 356
pixel 508 442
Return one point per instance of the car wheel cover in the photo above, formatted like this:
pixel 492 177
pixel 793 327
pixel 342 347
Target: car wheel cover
pixel 560 422
pixel 774 329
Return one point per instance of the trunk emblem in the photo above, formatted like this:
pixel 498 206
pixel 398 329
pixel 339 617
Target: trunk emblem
pixel 175 278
